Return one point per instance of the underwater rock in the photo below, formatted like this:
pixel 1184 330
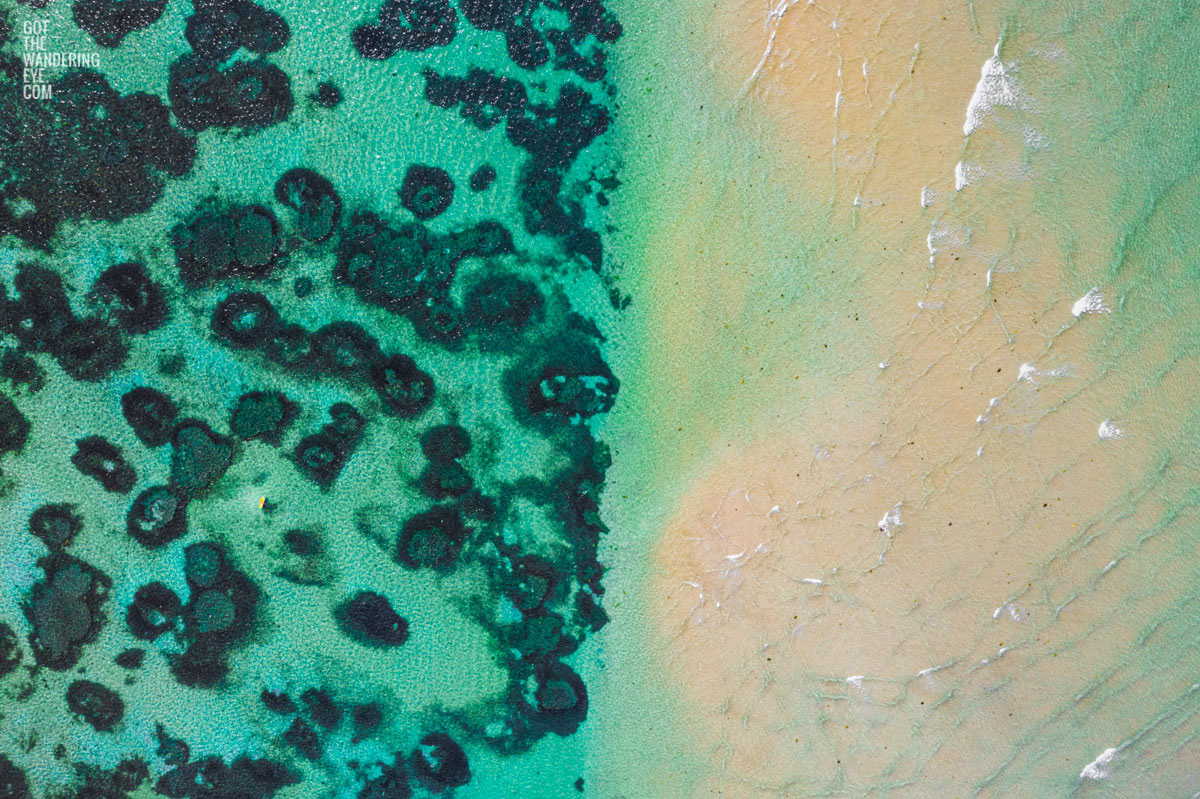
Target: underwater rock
pixel 218 615
pixel 439 763
pixel 406 390
pixel 134 301
pixel 150 413
pixel 553 698
pixel 242 242
pixel 316 203
pixel 391 783
pixel 427 191
pixel 500 307
pixel 367 719
pixel 486 98
pixel 99 706
pixel 210 778
pixel 482 178
pixel 432 540
pixel 342 349
pixel 248 94
pixel 565 383
pixel 368 618
pixel 100 459
pixel 412 25
pixel 10 657
pixel 56 525
pixel 154 611
pixel 302 736
pixel 321 708
pixel 244 320
pixel 443 480
pixel 110 21
pixel 13 783
pixel 199 457
pixel 278 702
pixel 302 559
pixel 131 658
pixel 327 95
pixel 14 427
pixel 219 28
pixel 91 154
pixel 445 442
pixel 64 610
pixel 321 456
pixel 157 516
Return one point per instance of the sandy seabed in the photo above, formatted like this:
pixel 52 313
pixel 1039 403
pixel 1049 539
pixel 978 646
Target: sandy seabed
pixel 934 538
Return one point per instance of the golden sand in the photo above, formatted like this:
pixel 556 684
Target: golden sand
pixel 895 570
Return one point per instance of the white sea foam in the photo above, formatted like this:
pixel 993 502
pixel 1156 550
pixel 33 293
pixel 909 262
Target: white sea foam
pixel 928 195
pixel 1011 611
pixel 942 235
pixel 997 87
pixel 965 174
pixel 1029 373
pixel 1108 430
pixel 1035 139
pixel 1092 302
pixel 891 521
pixel 1099 769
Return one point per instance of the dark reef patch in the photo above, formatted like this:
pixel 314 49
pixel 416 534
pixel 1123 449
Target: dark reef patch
pixel 321 456
pixel 41 320
pixel 392 782
pixel 14 427
pixel 91 154
pixel 482 178
pixel 211 778
pixel 263 415
pixel 131 658
pixel 10 652
pixel 13 783
pixel 248 94
pixel 304 739
pixel 278 702
pixel 154 611
pixel 432 540
pixel 567 382
pixel 553 698
pixel 63 610
pixel 56 525
pixel 150 413
pixel 316 203
pixel 243 241
pixel 321 708
pixel 99 706
pixel 245 319
pixel 110 21
pixel 219 28
pixel 199 456
pixel 157 516
pixel 101 460
pixel 411 25
pixel 219 614
pixel 459 355
pixel 427 191
pixel 134 302
pixel 327 95
pixel 369 619
pixel 440 763
pixel 406 390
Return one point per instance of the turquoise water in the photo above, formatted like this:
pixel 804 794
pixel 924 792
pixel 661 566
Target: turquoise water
pixel 388 577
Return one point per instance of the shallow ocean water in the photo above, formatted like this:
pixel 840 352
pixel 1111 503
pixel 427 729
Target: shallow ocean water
pixel 826 373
